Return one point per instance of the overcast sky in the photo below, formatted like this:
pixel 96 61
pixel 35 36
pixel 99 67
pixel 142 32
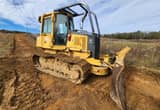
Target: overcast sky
pixel 114 15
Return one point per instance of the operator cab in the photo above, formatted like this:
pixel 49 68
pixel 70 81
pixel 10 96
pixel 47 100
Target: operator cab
pixel 60 24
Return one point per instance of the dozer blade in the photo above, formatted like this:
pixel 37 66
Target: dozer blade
pixel 118 92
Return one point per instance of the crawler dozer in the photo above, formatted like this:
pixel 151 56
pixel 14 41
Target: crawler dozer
pixel 73 54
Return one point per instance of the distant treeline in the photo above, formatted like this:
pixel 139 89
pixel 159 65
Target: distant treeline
pixel 135 35
pixel 12 31
pixel 8 31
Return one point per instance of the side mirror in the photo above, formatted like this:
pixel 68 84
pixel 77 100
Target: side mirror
pixel 39 19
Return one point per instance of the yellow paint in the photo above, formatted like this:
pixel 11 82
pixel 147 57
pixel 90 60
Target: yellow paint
pixel 121 55
pixel 106 58
pixel 99 70
pixel 58 47
pixel 82 55
pixel 94 61
pixel 45 39
pixel 78 42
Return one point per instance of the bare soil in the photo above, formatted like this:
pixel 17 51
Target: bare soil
pixel 22 87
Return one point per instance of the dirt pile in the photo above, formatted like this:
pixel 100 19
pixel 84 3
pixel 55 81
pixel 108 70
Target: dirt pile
pixel 22 87
pixel 6 44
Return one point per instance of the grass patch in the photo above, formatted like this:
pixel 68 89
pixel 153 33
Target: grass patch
pixel 144 52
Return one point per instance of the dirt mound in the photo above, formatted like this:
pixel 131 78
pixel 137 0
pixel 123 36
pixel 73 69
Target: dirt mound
pixel 22 87
pixel 6 44
pixel 142 89
pixel 24 47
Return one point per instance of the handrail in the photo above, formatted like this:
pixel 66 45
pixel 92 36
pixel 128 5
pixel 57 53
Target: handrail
pixel 88 12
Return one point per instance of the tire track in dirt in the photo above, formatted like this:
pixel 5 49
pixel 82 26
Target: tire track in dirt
pixel 22 46
pixel 23 90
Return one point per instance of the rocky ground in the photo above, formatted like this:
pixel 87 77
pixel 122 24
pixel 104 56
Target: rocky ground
pixel 22 87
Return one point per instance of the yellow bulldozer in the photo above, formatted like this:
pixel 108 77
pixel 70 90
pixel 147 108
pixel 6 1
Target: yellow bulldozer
pixel 73 54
